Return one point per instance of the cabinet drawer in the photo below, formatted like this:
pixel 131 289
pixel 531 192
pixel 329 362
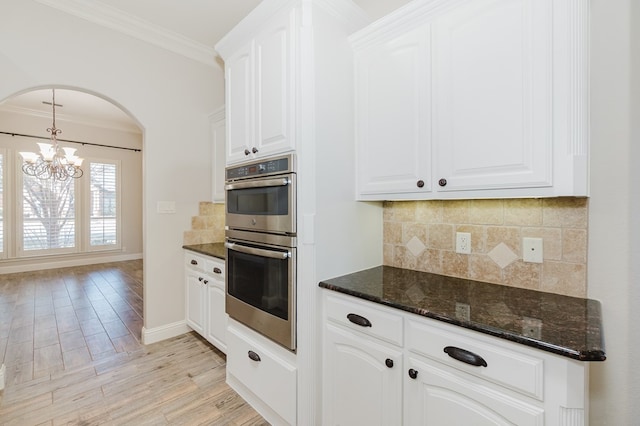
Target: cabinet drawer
pixel 270 378
pixel 194 261
pixel 366 318
pixel 505 366
pixel 214 268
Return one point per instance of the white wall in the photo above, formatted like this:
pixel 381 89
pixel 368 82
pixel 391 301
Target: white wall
pixel 169 96
pixel 634 195
pixel 613 211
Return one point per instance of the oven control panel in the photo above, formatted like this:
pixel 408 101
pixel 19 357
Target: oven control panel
pixel 261 168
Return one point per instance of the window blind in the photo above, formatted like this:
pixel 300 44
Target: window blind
pixel 103 215
pixel 48 214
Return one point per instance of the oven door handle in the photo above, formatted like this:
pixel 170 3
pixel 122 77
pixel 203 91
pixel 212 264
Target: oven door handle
pixel 258 252
pixel 262 183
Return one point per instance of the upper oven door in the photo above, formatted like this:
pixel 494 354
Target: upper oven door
pixel 262 204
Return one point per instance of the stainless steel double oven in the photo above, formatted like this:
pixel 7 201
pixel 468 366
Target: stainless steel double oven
pixel 260 243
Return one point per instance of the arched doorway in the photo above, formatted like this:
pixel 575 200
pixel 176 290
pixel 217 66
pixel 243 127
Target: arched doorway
pixel 102 133
pixel 91 227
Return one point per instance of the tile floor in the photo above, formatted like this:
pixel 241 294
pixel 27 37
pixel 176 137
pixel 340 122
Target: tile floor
pixel 70 339
pixel 59 319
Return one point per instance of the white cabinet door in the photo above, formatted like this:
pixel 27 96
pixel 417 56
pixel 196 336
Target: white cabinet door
pixel 260 85
pixel 275 84
pixel 362 380
pixel 218 134
pixel 440 396
pixel 260 375
pixel 393 110
pixel 217 318
pixel 195 298
pixel 473 99
pixel 239 85
pixel 493 97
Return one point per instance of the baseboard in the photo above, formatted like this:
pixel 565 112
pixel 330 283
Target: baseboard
pixel 2 370
pixel 27 265
pixel 157 334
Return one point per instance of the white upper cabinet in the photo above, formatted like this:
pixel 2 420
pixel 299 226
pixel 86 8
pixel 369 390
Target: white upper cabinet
pixel 239 99
pixel 393 119
pixel 473 99
pixel 259 93
pixel 274 86
pixel 493 95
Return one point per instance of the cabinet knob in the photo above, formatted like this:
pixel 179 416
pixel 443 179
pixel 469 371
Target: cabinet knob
pixel 442 182
pixel 217 270
pixel 389 362
pixel 206 282
pixel 254 150
pixel 247 152
pixel 200 279
pixel 420 183
pixel 413 373
pixel 194 262
pixel 253 356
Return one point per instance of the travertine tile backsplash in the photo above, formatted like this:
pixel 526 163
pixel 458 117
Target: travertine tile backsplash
pixel 420 235
pixel 208 226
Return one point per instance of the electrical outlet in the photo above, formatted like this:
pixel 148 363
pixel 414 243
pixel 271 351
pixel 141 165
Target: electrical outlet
pixel 532 327
pixel 463 242
pixel 463 311
pixel 532 250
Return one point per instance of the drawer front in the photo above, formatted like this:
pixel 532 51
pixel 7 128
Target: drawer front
pixel 214 268
pixel 194 261
pixel 270 378
pixel 505 366
pixel 365 317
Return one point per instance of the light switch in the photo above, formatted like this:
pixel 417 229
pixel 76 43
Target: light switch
pixel 166 207
pixel 532 250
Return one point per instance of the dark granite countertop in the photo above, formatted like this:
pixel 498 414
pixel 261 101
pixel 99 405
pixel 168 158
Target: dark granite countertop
pixel 571 326
pixel 210 249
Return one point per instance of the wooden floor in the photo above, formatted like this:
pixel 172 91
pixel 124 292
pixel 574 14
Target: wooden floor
pixel 70 340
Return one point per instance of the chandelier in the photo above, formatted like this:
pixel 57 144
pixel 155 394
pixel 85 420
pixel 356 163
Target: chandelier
pixel 53 162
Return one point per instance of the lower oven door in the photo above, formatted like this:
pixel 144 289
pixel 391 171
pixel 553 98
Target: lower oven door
pixel 261 289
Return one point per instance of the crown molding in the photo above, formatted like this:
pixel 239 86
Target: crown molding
pixel 133 26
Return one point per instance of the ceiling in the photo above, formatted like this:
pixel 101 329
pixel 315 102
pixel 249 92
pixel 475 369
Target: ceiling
pixel 73 105
pixel 203 21
pixel 199 23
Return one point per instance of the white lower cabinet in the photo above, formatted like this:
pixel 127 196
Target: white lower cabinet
pixel 439 395
pixel 195 292
pixel 440 374
pixel 205 298
pixel 216 316
pixel 364 383
pixel 263 373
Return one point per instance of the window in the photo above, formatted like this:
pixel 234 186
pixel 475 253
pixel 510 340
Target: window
pixel 48 214
pixel 72 216
pixel 103 209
